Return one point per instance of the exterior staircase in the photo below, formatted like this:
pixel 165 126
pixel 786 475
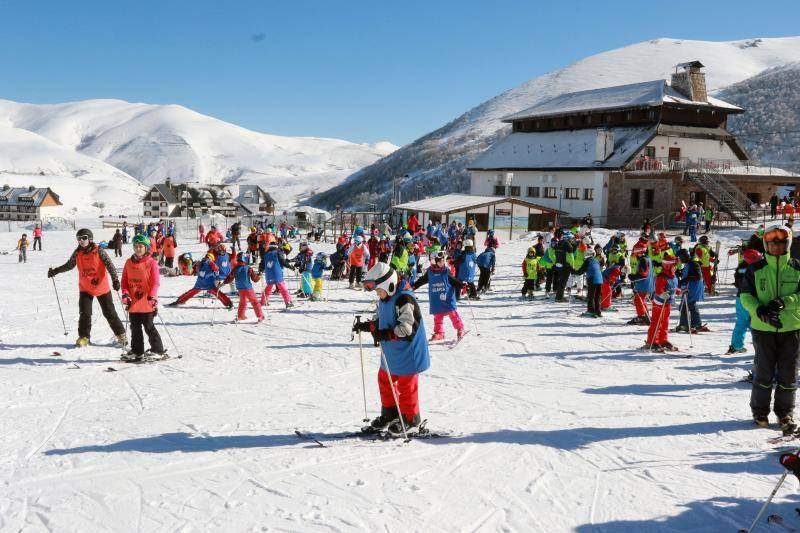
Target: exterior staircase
pixel 725 194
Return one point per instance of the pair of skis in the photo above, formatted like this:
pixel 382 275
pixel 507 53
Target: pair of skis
pixel 368 434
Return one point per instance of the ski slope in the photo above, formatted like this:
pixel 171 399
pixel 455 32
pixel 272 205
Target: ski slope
pixel 563 424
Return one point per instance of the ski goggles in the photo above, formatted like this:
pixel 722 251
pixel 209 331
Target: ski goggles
pixel 371 284
pixel 439 256
pixel 777 235
pixel 82 238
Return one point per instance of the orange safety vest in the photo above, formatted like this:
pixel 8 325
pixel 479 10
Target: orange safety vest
pixel 169 246
pixel 92 277
pixel 137 274
pixel 357 256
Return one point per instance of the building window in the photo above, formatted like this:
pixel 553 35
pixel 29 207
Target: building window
pixel 649 198
pixel 635 198
pixel 550 192
pixel 533 192
pixel 499 190
pixel 650 151
pixel 514 190
pixel 754 197
pixel 572 193
pixel 588 194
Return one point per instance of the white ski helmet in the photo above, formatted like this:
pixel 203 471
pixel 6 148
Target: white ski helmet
pixel 468 243
pixel 381 276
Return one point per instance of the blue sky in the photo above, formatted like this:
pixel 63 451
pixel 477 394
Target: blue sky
pixel 357 70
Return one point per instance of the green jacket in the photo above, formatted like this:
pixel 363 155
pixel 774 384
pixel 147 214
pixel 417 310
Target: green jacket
pixel 530 267
pixel 400 262
pixel 708 214
pixel 549 258
pixel 768 279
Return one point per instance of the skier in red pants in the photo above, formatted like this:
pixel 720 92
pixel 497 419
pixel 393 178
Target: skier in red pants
pixel 663 297
pixel 642 283
pixel 400 332
pixel 207 280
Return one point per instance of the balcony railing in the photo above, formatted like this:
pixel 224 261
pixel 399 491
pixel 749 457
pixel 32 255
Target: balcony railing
pixel 650 165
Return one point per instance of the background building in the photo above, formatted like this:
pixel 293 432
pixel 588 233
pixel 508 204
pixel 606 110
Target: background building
pixel 26 203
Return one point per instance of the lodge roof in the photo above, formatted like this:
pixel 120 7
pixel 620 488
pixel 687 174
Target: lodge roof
pixel 27 196
pixel 646 94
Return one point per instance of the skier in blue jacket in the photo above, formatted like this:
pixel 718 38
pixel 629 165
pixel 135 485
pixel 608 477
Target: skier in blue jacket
pixel 466 264
pixel 594 279
pixel 486 263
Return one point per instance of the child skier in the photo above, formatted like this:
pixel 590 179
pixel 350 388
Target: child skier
pixel 22 246
pixel 691 283
pixel 486 263
pixel 465 268
pixel 93 264
pixel 272 264
pixel 594 281
pixel 140 282
pixel 208 280
pixel 749 257
pixel 665 290
pixel 530 272
pixel 400 332
pixel 442 290
pixel 245 276
pixel 358 257
pixel 641 282
pixel 318 274
pixel 611 282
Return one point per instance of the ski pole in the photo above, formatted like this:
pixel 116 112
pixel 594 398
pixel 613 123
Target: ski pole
pixel 214 302
pixel 394 395
pixel 688 319
pixel 60 312
pixel 474 322
pixel 658 325
pixel 127 317
pixel 766 503
pixel 174 345
pixel 363 377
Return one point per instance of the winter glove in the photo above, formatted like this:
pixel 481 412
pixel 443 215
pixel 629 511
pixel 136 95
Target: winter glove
pixel 126 301
pixel 776 305
pixel 791 462
pixel 678 292
pixel 115 284
pixel 153 301
pixel 381 335
pixel 769 317
pixel 366 327
pixel 51 272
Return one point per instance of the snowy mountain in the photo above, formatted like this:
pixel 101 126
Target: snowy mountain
pixel 772 100
pixel 114 139
pixel 437 162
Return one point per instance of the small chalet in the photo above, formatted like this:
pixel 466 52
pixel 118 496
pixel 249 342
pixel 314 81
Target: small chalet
pixel 628 152
pixel 169 200
pixel 26 203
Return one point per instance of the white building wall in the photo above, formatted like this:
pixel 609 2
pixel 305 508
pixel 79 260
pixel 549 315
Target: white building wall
pixel 694 149
pixel 484 182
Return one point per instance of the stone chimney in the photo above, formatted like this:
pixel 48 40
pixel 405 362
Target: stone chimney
pixel 690 81
pixel 604 145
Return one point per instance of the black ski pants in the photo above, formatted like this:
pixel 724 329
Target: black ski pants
pixel 548 280
pixel 355 273
pixel 144 321
pixel 775 360
pixel 39 241
pixel 528 286
pixel 560 278
pixel 169 262
pixel 484 278
pixel 85 314
pixel 593 298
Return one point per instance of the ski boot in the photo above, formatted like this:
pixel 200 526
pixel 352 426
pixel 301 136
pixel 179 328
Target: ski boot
pixel 682 329
pixel 460 333
pixel 131 357
pixel 701 329
pixel 589 314
pixel 82 342
pixel 668 346
pixel 289 305
pixel 122 339
pixel 437 337
pixel 388 415
pixel 761 421
pixel 732 350
pixel 151 355
pixel 635 321
pixel 788 425
pixel 396 428
pixel 176 303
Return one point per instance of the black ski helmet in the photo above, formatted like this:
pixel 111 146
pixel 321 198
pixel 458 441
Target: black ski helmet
pixel 87 232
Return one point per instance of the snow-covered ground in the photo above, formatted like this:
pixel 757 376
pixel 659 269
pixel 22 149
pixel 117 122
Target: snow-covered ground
pixel 564 425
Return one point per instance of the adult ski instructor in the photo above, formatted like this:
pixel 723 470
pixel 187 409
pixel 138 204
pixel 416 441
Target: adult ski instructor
pixel 770 292
pixel 93 264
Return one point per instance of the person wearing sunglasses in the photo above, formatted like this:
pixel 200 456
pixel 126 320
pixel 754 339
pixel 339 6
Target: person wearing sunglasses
pixel 400 332
pixel 93 267
pixel 770 294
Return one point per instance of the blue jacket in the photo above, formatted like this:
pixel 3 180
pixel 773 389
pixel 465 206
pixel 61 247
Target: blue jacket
pixel 692 282
pixel 671 286
pixel 224 263
pixel 242 276
pixel 272 264
pixel 441 292
pixel 486 259
pixel 593 273
pixel 318 268
pixel 405 357
pixel 206 276
pixel 466 266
